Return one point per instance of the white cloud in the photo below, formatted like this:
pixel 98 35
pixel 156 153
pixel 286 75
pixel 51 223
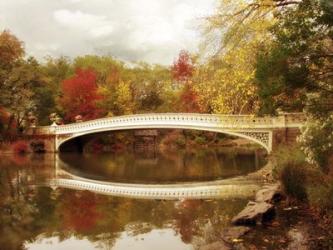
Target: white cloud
pixel 145 30
pixel 95 25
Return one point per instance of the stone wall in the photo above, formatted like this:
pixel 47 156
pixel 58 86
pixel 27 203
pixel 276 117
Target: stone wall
pixel 286 136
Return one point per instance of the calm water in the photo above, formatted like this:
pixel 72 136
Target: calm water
pixel 38 217
pixel 166 167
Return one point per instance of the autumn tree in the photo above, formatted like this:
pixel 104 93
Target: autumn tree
pixel 108 70
pixel 11 51
pixel 54 71
pixel 238 21
pixel 233 37
pixel 296 71
pixel 150 99
pixel 22 83
pixel 182 72
pixel 182 69
pixel 189 100
pixel 226 83
pixel 79 96
pixel 124 99
pixel 148 84
pixel 22 91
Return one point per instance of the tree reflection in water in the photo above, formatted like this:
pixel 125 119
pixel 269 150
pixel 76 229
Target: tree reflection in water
pixel 163 167
pixel 32 212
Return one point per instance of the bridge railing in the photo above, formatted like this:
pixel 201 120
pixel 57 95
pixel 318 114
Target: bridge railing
pixel 294 118
pixel 180 119
pixel 41 130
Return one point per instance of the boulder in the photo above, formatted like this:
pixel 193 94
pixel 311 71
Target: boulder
pixel 230 234
pixel 269 193
pixel 253 213
pixel 217 245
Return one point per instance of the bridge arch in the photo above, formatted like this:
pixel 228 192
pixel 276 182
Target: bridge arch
pixel 253 128
pixel 246 135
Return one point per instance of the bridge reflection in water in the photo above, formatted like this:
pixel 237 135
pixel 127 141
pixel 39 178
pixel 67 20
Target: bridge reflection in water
pixel 238 187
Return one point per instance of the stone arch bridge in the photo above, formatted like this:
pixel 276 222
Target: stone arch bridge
pixel 267 131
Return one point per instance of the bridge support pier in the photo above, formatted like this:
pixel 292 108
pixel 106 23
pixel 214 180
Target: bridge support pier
pixel 284 136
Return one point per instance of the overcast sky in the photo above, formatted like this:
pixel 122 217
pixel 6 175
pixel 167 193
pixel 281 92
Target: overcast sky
pixel 132 30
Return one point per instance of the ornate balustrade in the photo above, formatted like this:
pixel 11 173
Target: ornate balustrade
pixel 179 119
pixel 258 129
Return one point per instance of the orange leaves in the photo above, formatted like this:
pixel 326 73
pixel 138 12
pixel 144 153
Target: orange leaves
pixel 80 95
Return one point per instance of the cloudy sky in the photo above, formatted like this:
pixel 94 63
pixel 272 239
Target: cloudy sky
pixel 131 30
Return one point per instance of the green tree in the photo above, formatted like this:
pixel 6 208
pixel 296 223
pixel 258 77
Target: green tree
pixel 22 90
pixel 297 70
pixel 11 51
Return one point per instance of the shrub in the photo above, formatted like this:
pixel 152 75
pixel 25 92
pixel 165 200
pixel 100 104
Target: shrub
pixel 294 179
pixel 286 155
pixel 20 147
pixel 321 196
pixel 291 168
pixel 317 140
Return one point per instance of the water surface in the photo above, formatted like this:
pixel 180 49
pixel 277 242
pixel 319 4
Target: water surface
pixel 34 216
pixel 163 168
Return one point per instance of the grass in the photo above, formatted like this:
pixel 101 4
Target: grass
pixel 301 180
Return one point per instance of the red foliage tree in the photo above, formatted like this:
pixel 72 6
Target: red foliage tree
pixel 8 126
pixel 182 69
pixel 189 100
pixel 80 96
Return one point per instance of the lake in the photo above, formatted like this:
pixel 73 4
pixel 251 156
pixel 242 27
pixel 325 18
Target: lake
pixel 35 215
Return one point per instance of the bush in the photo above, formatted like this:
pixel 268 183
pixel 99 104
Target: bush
pixel 321 196
pixel 20 147
pixel 317 141
pixel 294 179
pixel 286 155
pixel 291 168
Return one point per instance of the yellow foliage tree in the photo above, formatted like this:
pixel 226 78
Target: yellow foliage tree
pixel 124 98
pixel 233 36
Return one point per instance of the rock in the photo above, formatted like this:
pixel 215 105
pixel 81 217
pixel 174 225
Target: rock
pixel 298 240
pixel 270 194
pixel 233 233
pixel 253 213
pixel 217 245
